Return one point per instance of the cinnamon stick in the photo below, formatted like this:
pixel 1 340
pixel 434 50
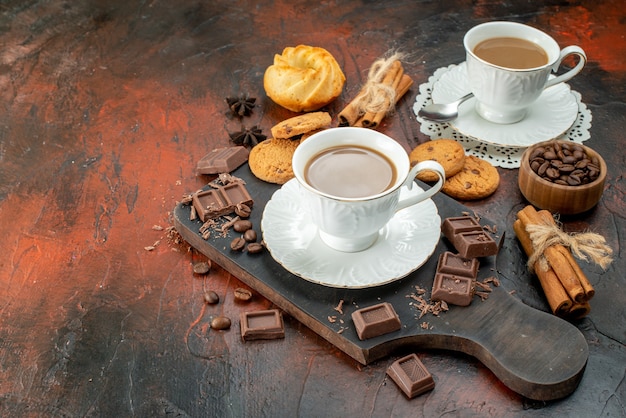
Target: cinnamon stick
pixel 567 255
pixel 391 79
pixel 403 86
pixel 558 299
pixel 567 276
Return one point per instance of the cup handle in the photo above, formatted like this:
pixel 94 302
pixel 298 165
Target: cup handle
pixel 426 194
pixel 571 73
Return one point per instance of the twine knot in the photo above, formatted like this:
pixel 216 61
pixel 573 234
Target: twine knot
pixel 377 96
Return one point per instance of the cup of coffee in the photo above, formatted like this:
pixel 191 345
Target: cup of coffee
pixel 350 179
pixel 509 65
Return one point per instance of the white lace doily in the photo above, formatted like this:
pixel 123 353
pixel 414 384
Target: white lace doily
pixel 501 156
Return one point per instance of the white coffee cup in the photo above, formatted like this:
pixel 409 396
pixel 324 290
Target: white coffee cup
pixel 351 224
pixel 503 95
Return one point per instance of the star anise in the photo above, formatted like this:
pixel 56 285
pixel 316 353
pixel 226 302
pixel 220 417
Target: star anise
pixel 241 106
pixel 248 137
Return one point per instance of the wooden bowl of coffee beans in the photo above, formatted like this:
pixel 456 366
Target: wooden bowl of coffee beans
pixel 562 176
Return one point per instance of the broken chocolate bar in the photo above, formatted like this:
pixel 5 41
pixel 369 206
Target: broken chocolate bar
pixel 468 237
pixel 456 290
pixel 221 200
pixel 411 376
pixel 262 325
pixel 375 320
pixel 222 160
pixel 455 264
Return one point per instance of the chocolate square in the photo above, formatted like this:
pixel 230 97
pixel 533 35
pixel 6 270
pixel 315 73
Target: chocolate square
pixel 411 376
pixel 455 264
pixel 209 204
pixel 375 320
pixel 456 225
pixel 236 193
pixel 222 160
pixel 262 325
pixel 475 244
pixel 456 290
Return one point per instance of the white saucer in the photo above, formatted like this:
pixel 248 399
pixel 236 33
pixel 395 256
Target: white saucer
pixel 404 244
pixel 549 117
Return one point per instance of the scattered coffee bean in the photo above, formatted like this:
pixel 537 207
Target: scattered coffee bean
pixel 564 163
pixel 202 267
pixel 211 297
pixel 242 295
pixel 242 210
pixel 250 235
pixel 238 244
pixel 242 225
pixel 255 247
pixel 220 323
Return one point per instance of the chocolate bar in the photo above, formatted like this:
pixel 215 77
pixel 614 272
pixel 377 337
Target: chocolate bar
pixel 262 325
pixel 456 265
pixel 222 160
pixel 221 200
pixel 411 376
pixel 456 290
pixel 468 237
pixel 375 320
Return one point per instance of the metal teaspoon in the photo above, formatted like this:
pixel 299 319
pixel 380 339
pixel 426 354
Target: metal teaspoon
pixel 443 112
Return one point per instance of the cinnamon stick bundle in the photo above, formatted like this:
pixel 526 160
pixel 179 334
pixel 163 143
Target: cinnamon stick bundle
pixel 566 287
pixel 386 84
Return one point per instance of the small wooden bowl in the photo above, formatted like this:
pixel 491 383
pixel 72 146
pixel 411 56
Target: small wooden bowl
pixel 565 200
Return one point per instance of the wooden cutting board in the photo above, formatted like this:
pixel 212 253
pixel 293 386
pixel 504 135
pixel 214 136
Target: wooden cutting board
pixel 532 352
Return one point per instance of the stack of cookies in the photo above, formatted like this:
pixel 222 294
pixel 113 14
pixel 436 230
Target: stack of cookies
pixel 467 177
pixel 270 160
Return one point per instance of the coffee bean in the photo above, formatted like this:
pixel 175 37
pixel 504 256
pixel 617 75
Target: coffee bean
pixel 250 235
pixel 238 244
pixel 564 163
pixel 242 225
pixel 211 297
pixel 202 267
pixel 242 295
pixel 220 323
pixel 243 210
pixel 255 247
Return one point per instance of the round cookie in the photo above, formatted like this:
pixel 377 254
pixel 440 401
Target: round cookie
pixel 477 180
pixel 270 160
pixel 301 124
pixel 447 152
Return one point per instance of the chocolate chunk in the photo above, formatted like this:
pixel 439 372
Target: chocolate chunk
pixel 222 160
pixel 455 264
pixel 468 237
pixel 475 244
pixel 456 290
pixel 457 225
pixel 262 325
pixel 411 376
pixel 375 320
pixel 221 200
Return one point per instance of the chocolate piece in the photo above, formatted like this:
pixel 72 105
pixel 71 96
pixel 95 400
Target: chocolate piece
pixel 411 376
pixel 262 325
pixel 455 264
pixel 468 237
pixel 475 244
pixel 457 225
pixel 375 320
pixel 221 200
pixel 222 160
pixel 456 290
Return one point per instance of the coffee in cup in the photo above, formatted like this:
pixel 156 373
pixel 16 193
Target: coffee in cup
pixel 509 65
pixel 351 178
